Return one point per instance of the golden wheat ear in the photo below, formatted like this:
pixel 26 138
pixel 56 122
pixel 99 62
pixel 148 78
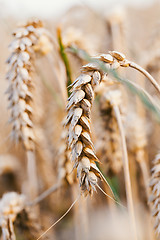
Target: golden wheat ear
pixel 79 137
pixel 78 119
pixel 28 40
pixel 11 205
pixel 16 216
pixel 155 192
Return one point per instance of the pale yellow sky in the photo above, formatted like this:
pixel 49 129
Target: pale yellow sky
pixel 49 8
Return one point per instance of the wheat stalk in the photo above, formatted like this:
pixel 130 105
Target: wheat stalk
pixel 126 172
pixel 114 98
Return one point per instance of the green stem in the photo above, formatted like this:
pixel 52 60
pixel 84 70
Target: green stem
pixel 65 60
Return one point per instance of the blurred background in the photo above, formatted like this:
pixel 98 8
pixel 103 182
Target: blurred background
pixel 51 9
pixel 97 26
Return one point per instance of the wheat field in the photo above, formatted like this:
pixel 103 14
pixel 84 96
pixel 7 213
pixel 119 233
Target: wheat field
pixel 80 124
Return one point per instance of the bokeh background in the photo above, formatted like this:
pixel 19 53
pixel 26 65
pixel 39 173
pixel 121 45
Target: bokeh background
pixel 97 26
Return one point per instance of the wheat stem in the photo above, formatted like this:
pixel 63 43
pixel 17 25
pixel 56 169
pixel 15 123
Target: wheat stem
pixel 45 194
pixel 11 229
pixel 32 174
pixel 145 174
pixel 65 58
pixel 77 221
pixel 4 233
pixel 145 73
pixel 80 216
pixel 126 173
pixel 84 218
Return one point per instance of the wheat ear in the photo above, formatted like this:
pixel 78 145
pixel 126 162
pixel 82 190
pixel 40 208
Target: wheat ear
pixel 155 192
pixel 15 214
pixel 11 205
pixel 78 118
pixel 111 143
pixel 29 39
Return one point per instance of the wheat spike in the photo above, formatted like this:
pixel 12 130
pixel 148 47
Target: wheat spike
pixel 14 213
pixel 78 107
pixel 29 39
pixel 155 195
pixel 79 139
pixel 11 205
pixel 110 146
pixel 78 118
